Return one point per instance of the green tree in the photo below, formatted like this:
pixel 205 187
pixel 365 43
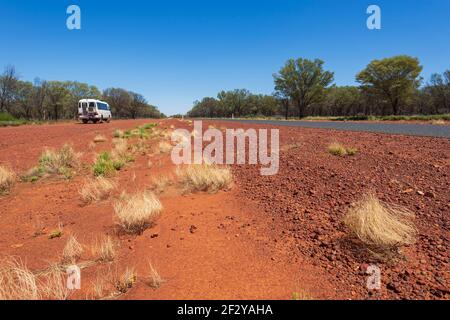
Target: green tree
pixel 393 80
pixel 303 81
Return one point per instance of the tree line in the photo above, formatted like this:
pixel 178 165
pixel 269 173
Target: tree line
pixel 55 100
pixel 391 86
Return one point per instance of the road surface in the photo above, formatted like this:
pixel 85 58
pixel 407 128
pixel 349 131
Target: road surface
pixel 411 129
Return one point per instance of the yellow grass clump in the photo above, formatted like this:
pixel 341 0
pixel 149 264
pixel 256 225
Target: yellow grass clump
pixel 17 282
pixel 54 284
pixel 338 149
pixel 99 138
pixel 105 250
pixel 7 178
pixel 381 226
pixel 72 250
pixel 126 281
pixel 97 189
pixel 135 213
pixel 205 177
pixel 164 147
pixel 160 183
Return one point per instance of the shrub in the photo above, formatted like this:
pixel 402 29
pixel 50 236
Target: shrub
pixel 205 177
pixel 106 166
pixel 380 226
pixel 7 178
pixel 55 162
pixel 135 213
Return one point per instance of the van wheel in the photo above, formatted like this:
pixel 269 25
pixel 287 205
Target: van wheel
pixel 84 121
pixel 108 120
pixel 95 121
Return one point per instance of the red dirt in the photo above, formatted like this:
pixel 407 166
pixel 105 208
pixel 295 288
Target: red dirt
pixel 265 239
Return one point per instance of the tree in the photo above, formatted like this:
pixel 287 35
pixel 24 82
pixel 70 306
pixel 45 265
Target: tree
pixel 393 80
pixel 303 81
pixel 8 85
pixel 439 91
pixel 58 96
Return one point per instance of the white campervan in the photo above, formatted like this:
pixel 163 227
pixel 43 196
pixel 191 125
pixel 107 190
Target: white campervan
pixel 93 110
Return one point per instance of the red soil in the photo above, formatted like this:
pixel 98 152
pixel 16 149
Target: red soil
pixel 265 239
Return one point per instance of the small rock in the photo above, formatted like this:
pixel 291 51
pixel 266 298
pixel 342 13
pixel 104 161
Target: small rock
pixel 192 229
pixel 420 193
pixel 430 194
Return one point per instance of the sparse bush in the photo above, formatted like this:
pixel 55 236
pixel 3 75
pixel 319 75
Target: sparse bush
pixel 135 213
pixel 338 149
pixel 72 251
pixel 149 126
pixel 107 166
pixel 16 281
pixel 99 138
pixel 96 190
pixel 380 226
pixel 51 162
pixel 205 177
pixel 7 178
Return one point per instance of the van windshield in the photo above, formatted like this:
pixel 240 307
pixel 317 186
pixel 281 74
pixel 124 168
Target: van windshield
pixel 91 106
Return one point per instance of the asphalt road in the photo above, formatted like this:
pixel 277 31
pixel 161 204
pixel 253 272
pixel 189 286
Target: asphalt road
pixel 411 129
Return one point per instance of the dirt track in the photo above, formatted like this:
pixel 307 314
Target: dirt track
pixel 267 238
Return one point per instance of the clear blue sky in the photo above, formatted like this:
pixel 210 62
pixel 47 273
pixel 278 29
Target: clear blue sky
pixel 174 52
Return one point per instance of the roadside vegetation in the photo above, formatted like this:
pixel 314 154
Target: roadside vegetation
pixel 382 228
pixel 24 101
pixel 389 89
pixel 7 179
pixel 338 149
pixel 106 165
pixel 137 212
pixel 63 162
pixel 204 177
pixel 97 189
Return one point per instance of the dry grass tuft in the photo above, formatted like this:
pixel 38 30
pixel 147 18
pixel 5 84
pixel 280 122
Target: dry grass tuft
pixel 338 149
pixel 7 178
pixel 59 162
pixel 97 189
pixel 16 281
pixel 105 251
pixel 164 147
pixel 135 213
pixel 99 138
pixel 205 177
pixel 72 250
pixel 380 226
pixel 160 183
pixel 155 280
pixel 54 285
pixel 126 281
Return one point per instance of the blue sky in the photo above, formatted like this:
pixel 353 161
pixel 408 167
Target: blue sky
pixel 175 52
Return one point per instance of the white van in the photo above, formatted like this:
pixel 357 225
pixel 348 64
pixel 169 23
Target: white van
pixel 94 110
